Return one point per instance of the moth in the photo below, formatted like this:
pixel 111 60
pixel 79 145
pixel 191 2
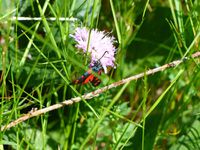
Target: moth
pixel 88 76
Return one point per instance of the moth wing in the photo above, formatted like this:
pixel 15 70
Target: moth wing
pixel 90 78
pixel 96 81
pixel 82 79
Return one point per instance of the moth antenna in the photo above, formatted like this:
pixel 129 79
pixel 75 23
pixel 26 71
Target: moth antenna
pixel 103 55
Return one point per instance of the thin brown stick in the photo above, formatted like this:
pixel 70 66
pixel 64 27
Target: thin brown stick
pixel 94 93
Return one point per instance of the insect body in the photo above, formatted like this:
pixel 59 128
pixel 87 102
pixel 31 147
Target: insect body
pixel 89 77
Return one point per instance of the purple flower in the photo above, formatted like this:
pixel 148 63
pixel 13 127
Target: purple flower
pixel 100 46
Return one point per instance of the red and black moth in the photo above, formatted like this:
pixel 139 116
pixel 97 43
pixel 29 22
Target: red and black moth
pixel 89 77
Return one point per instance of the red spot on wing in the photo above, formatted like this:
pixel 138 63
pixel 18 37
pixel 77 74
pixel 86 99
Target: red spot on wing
pixel 96 81
pixel 88 79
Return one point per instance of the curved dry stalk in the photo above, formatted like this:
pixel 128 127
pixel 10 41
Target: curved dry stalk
pixel 94 93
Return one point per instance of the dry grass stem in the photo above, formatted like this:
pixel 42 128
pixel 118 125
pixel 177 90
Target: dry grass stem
pixel 95 93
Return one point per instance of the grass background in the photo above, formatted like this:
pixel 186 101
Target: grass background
pixel 39 60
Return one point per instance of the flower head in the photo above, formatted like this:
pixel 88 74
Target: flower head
pixel 98 44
